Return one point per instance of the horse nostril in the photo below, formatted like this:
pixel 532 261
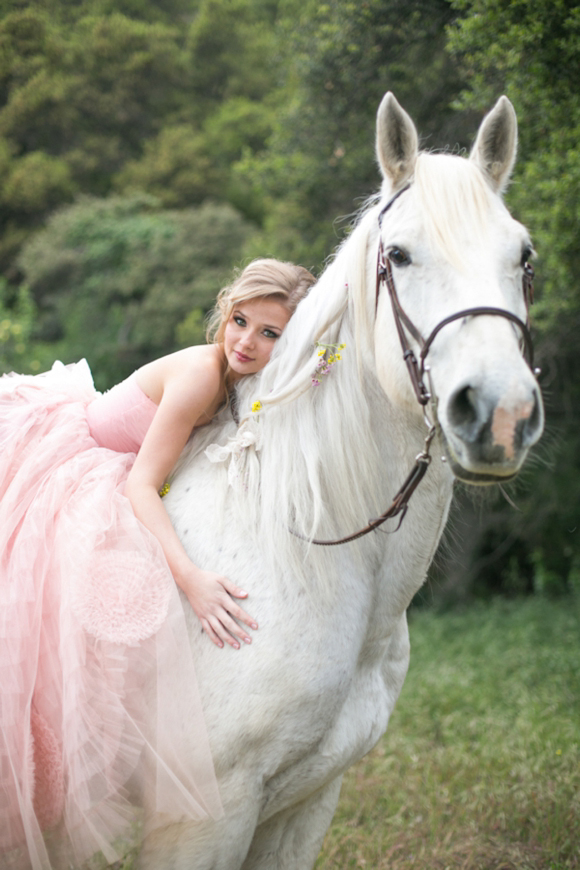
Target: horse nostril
pixel 534 423
pixel 462 411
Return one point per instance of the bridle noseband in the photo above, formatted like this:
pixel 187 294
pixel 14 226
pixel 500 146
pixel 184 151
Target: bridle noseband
pixel 418 369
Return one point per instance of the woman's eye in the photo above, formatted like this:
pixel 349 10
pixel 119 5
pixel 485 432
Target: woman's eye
pixel 269 334
pixel 399 257
pixel 240 321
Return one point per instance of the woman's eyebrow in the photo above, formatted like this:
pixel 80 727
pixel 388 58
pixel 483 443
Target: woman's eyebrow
pixel 264 325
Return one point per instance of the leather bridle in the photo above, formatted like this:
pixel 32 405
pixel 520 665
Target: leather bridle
pixel 418 369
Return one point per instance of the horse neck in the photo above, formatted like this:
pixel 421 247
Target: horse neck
pixel 363 452
pixel 334 456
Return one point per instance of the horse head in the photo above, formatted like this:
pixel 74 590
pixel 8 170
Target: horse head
pixel 455 296
pixel 449 306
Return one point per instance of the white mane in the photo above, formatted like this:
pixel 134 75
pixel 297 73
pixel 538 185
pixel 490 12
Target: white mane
pixel 452 195
pixel 330 477
pixel 327 480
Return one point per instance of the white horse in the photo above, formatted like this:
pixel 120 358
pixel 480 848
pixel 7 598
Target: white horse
pixel 314 692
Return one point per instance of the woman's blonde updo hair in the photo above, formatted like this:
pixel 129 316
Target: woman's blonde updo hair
pixel 261 278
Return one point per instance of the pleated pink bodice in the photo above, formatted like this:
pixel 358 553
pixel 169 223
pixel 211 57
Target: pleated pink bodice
pixel 120 418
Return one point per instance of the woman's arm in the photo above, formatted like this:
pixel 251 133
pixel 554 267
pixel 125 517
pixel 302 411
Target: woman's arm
pixel 186 396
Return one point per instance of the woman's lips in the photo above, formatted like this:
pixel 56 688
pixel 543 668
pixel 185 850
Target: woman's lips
pixel 242 357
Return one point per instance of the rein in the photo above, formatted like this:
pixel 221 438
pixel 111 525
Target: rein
pixel 417 371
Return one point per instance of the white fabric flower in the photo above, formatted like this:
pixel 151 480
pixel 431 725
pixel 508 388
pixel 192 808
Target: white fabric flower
pixel 236 450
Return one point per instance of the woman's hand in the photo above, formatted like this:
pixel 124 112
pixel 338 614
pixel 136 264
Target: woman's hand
pixel 212 598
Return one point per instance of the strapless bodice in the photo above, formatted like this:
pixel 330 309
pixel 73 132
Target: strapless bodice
pixel 119 419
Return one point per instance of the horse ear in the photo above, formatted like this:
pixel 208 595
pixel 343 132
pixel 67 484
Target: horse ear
pixel 397 141
pixel 495 148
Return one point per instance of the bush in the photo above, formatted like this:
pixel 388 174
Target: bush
pixel 115 278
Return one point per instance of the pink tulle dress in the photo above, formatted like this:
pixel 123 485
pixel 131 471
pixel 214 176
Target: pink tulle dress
pixel 99 703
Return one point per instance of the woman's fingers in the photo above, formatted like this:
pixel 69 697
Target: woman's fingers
pixel 240 614
pixel 233 590
pixel 220 630
pixel 225 626
pixel 206 625
pixel 213 599
pixel 235 609
pixel 232 626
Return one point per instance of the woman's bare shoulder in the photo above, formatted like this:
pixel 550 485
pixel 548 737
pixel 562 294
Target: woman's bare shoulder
pixel 189 372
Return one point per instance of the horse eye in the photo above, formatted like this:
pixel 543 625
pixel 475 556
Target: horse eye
pixel 399 257
pixel 527 254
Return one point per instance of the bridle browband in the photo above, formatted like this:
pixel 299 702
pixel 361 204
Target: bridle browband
pixel 418 370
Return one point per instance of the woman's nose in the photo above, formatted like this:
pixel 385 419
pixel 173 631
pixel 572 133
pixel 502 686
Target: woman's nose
pixel 247 339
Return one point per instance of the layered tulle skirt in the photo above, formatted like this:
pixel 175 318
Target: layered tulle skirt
pixel 99 707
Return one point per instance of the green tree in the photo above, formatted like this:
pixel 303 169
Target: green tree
pixel 99 96
pixel 77 100
pixel 16 324
pixel 117 280
pixel 91 92
pixel 340 58
pixel 234 46
pixel 235 66
pixel 531 51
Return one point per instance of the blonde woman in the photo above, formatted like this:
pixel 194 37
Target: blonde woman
pixel 90 567
pixel 188 388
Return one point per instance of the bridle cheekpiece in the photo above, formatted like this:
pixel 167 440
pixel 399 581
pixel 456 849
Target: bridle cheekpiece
pixel 418 369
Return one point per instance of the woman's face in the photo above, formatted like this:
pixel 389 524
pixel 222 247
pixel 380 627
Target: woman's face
pixel 251 333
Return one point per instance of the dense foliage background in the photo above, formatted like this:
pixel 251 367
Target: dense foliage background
pixel 146 148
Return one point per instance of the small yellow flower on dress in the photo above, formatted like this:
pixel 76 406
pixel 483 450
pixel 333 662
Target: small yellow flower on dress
pixel 164 489
pixel 256 406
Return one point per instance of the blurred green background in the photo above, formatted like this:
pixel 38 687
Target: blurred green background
pixel 146 148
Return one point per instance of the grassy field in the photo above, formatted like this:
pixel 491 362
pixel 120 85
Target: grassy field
pixel 480 767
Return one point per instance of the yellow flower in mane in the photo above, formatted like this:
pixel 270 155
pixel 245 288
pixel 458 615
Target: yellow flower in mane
pixel 325 363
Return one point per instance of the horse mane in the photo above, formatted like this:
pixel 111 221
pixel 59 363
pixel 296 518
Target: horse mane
pixel 452 195
pixel 318 460
pixel 318 470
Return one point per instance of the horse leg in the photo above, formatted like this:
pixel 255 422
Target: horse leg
pixel 292 839
pixel 207 845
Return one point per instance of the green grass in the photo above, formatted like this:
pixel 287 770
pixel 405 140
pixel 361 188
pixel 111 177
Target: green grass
pixel 480 766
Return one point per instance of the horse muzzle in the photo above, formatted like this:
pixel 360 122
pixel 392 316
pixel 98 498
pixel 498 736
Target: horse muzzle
pixel 487 437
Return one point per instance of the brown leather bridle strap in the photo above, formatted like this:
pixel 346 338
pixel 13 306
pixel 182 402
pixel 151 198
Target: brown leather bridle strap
pixel 402 322
pixel 476 312
pixel 392 200
pixel 416 372
pixel 385 275
pixel 398 505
